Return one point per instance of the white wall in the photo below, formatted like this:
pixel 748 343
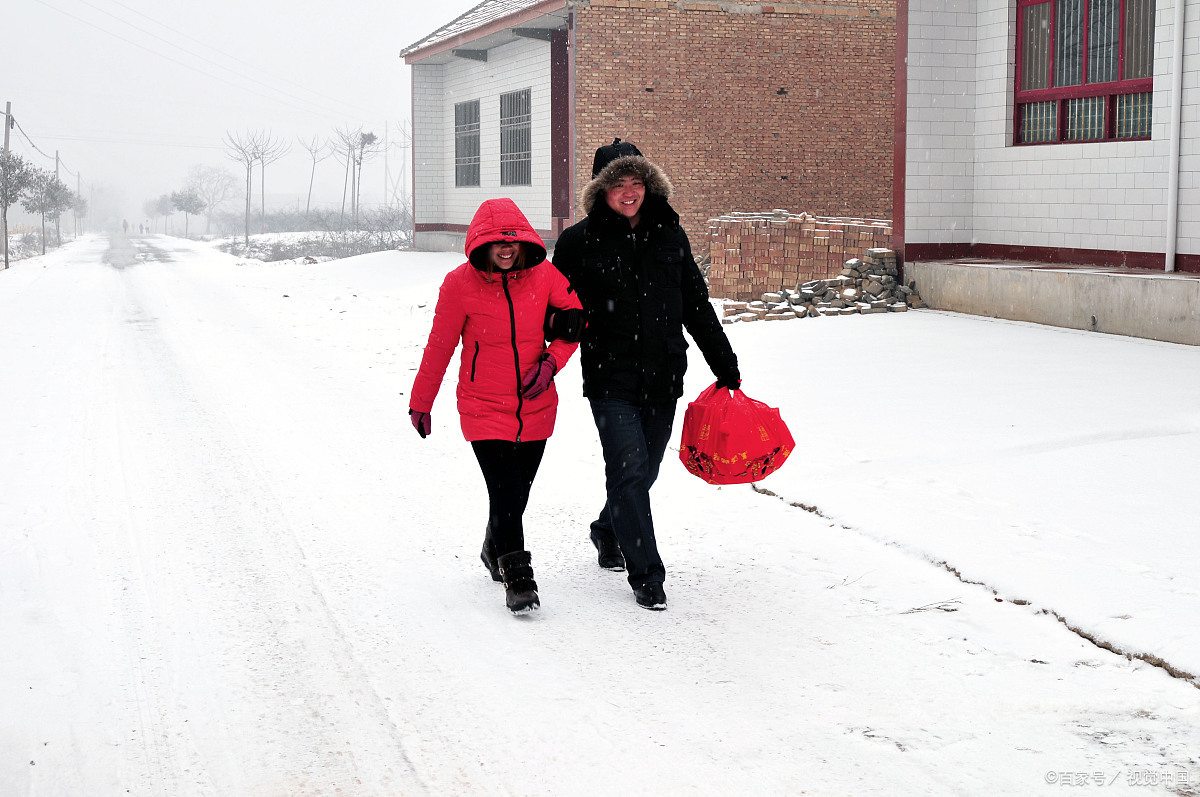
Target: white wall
pixel 512 67
pixel 429 146
pixel 966 182
pixel 941 122
pixel 1189 152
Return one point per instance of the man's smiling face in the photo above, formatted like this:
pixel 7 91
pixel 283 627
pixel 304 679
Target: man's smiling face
pixel 625 198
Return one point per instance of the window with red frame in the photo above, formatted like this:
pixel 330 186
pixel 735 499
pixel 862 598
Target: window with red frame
pixel 1085 70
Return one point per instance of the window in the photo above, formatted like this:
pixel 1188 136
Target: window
pixel 466 143
pixel 1085 70
pixel 516 138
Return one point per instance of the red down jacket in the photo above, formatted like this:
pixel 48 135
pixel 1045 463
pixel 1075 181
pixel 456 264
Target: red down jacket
pixel 500 324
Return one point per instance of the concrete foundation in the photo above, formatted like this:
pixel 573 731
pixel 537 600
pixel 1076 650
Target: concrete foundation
pixel 439 241
pixel 1142 304
pixel 456 242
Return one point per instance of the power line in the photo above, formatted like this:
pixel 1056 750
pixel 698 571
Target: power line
pixel 274 96
pixel 140 143
pixel 63 166
pixel 234 58
pixel 25 135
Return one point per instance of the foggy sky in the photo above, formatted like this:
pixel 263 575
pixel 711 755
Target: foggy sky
pixel 132 94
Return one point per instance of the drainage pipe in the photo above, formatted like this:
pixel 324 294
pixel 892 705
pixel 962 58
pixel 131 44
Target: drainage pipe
pixel 1174 132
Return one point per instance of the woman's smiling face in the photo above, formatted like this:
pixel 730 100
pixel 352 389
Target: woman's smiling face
pixel 503 254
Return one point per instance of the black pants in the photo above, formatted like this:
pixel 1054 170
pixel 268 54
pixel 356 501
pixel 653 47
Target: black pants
pixel 634 438
pixel 509 469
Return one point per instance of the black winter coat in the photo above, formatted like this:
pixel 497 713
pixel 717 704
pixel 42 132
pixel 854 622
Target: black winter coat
pixel 640 287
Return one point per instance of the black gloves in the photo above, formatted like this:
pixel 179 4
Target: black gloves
pixel 731 379
pixel 565 325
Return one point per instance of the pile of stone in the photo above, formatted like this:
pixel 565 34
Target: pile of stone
pixel 866 285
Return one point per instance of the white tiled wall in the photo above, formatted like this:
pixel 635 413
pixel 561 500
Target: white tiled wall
pixel 429 151
pixel 941 122
pixel 519 65
pixel 966 182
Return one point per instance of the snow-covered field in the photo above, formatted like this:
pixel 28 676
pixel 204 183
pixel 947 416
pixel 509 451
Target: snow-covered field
pixel 228 566
pixel 23 245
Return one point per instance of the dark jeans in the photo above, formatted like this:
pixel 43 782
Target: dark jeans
pixel 634 438
pixel 508 469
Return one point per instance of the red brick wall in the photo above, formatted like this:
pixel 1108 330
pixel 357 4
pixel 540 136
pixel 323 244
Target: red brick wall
pixel 772 106
pixel 754 253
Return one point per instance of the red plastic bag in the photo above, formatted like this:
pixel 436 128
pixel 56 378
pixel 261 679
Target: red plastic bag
pixel 730 438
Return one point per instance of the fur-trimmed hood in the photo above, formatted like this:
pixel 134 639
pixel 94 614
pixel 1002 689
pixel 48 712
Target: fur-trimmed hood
pixel 654 178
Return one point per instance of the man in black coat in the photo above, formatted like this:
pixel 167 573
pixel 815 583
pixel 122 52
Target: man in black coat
pixel 631 265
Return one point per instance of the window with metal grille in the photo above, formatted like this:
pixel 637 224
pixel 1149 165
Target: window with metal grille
pixel 466 143
pixel 516 138
pixel 1085 70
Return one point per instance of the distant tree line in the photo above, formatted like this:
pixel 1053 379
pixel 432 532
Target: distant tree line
pixel 322 232
pixel 257 149
pixel 208 190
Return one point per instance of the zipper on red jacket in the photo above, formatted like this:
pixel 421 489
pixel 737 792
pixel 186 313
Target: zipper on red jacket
pixel 512 325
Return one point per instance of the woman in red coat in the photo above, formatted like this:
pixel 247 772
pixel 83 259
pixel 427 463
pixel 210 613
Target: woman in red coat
pixel 502 304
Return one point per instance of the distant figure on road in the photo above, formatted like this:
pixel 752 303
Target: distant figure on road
pixel 125 225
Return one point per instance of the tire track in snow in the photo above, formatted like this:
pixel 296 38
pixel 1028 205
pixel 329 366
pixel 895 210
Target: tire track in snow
pixel 249 630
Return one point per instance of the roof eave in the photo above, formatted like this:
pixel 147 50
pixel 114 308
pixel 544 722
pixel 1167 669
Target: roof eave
pixel 412 56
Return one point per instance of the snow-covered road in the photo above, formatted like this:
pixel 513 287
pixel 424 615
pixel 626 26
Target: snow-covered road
pixel 229 567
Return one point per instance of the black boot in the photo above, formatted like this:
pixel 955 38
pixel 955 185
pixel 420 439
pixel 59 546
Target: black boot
pixel 520 590
pixel 608 552
pixel 488 556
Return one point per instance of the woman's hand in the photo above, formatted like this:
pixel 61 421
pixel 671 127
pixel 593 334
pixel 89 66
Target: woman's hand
pixel 421 421
pixel 538 380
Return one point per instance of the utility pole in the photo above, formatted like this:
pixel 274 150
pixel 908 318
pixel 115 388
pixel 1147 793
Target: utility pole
pixel 58 218
pixel 7 125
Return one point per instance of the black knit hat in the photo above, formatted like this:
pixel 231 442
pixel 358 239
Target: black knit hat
pixel 607 154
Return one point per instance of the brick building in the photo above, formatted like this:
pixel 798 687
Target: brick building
pixel 744 105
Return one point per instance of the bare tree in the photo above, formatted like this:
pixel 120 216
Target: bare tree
pixel 396 187
pixel 368 146
pixel 15 176
pixel 270 151
pixel 212 185
pixel 344 144
pixel 244 148
pixel 318 152
pixel 353 147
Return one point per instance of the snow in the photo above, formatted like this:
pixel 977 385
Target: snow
pixel 228 566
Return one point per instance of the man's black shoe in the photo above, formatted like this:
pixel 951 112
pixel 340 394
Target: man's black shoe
pixel 609 553
pixel 651 596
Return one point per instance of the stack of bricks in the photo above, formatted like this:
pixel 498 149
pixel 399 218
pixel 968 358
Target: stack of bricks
pixel 866 286
pixel 755 253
